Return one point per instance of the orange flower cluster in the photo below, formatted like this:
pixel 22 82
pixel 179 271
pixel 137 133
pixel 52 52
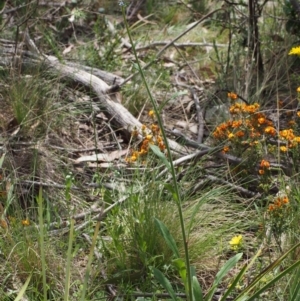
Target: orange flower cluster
pixel 264 165
pixel 278 204
pixel 287 134
pixel 250 124
pixel 239 108
pixel 290 138
pixel 279 215
pixel 232 95
pixel 150 136
pixel 246 127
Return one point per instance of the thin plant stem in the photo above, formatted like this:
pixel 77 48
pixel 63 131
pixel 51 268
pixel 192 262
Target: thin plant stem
pixel 90 259
pixel 42 242
pixel 177 196
pixel 69 256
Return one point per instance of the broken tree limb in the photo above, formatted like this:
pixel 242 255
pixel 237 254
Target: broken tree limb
pixel 14 56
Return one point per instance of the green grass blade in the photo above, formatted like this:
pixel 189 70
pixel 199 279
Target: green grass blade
pixel 235 282
pixel 42 241
pixel 295 286
pixel 197 291
pixel 227 267
pixel 274 280
pixel 90 259
pixel 240 275
pixel 271 267
pixel 69 257
pixel 167 236
pixel 160 277
pixel 23 289
pixel 160 155
pixel 222 273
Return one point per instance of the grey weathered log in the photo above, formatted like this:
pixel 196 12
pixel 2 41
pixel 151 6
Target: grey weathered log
pixel 125 122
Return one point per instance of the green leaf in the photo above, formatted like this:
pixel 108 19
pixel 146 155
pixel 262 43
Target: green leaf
pixel 227 267
pixel 171 189
pixel 295 287
pixel 23 289
pixel 274 280
pixel 179 263
pixel 240 275
pixel 160 277
pixel 271 267
pixel 160 155
pixel 197 291
pixel 234 283
pixel 167 236
pixel 222 273
pixel 2 5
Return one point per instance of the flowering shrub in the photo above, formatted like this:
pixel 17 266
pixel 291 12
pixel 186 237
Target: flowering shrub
pixel 250 135
pixel 279 213
pixel 150 135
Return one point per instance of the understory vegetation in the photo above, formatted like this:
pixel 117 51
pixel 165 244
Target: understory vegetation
pixel 149 150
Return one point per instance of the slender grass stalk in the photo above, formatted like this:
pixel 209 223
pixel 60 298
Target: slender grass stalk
pixel 69 256
pixel 88 268
pixel 23 289
pixel 177 196
pixel 42 241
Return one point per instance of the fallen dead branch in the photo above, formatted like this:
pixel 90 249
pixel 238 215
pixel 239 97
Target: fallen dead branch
pixel 108 99
pixel 178 45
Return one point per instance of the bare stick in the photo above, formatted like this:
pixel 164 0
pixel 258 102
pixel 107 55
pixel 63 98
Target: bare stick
pixel 200 117
pixel 181 45
pixel 171 43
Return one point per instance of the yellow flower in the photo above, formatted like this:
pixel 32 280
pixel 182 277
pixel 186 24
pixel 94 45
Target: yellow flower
pixel 261 120
pixel 133 158
pixel 151 113
pixel 270 130
pixel 236 123
pixel 287 134
pixel 236 242
pixel 298 113
pixel 230 135
pixel 251 108
pixel 261 171
pixel 143 152
pixel 283 148
pixel 240 134
pixel 25 222
pixel 271 208
pixel 154 128
pixel 298 89
pixel 285 200
pixel 161 146
pixel 295 51
pixel 225 149
pixel 232 95
pixel 265 164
